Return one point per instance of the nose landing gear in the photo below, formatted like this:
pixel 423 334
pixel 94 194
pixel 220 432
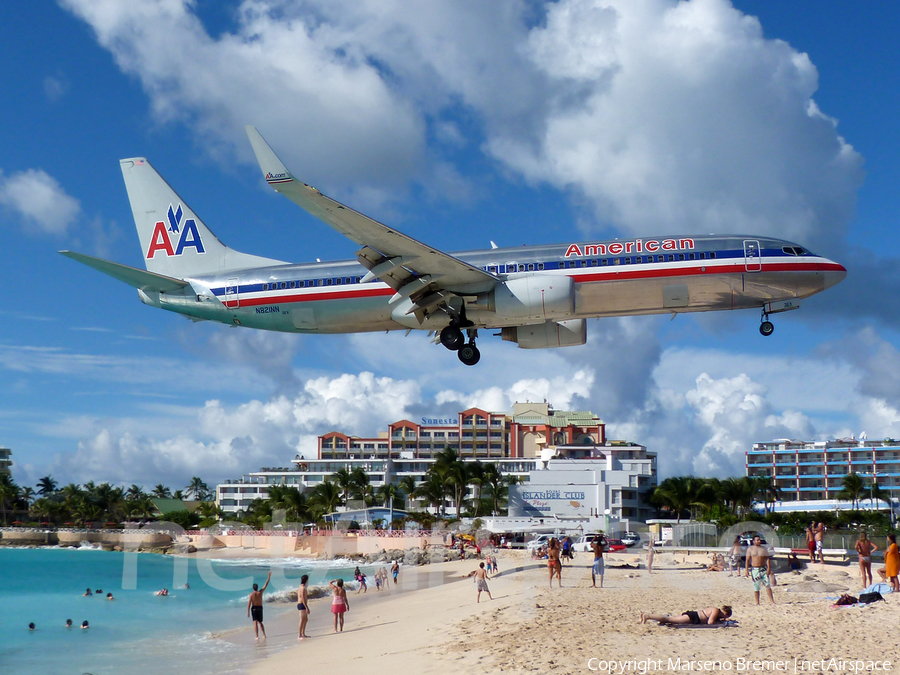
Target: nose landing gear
pixel 766 327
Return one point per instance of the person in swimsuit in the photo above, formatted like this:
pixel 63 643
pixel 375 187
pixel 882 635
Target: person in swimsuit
pixel 891 569
pixel 395 570
pixel 553 562
pixel 820 541
pixel 710 615
pixel 255 607
pixel 303 607
pixel 865 548
pixel 650 552
pixel 734 557
pixel 759 568
pixel 811 541
pixel 339 603
pixel 361 578
pixel 481 583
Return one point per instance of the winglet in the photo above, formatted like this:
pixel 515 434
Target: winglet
pixel 273 169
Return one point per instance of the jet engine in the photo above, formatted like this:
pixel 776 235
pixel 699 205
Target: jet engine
pixel 570 333
pixel 531 297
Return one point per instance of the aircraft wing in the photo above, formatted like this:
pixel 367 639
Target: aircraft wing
pixel 415 270
pixel 141 279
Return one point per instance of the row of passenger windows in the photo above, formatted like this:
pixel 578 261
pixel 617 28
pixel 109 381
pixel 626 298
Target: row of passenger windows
pixel 512 267
pixel 600 262
pixel 639 259
pixel 310 283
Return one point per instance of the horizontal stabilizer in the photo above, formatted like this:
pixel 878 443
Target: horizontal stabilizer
pixel 145 281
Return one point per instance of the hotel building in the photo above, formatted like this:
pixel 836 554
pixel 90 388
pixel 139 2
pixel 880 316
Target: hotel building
pixel 522 443
pixel 5 461
pixel 809 475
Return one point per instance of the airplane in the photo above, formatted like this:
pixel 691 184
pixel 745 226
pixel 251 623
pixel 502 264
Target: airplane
pixel 536 296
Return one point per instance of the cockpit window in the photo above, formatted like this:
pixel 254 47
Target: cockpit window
pixel 793 250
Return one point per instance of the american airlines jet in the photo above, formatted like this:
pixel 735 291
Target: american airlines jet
pixel 536 296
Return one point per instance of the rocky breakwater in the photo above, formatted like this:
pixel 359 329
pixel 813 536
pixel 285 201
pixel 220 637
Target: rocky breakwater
pixel 28 538
pixel 157 542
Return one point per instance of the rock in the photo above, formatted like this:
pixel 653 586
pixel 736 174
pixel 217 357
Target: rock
pixel 815 587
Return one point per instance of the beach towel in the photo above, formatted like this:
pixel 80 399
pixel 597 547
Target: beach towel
pixel 719 624
pixel 878 587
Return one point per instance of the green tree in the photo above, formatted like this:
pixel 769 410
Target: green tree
pixel 9 492
pixel 853 487
pixel 197 489
pixel 161 492
pixel 46 486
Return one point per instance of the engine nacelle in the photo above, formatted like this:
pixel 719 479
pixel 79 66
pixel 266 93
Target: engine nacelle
pixel 569 333
pixel 532 297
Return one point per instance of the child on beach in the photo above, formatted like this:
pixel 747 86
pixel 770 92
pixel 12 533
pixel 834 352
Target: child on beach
pixel 481 583
pixel 361 579
pixel 339 603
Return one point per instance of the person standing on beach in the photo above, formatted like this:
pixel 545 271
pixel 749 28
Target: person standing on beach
pixel 255 607
pixel 597 570
pixel 864 548
pixel 553 562
pixel 340 603
pixel 303 607
pixel 734 557
pixel 395 570
pixel 650 552
pixel 891 569
pixel 811 541
pixel 481 583
pixel 759 567
pixel 820 540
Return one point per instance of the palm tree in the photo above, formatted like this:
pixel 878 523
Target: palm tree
pixel 197 489
pixel 359 481
pixel 161 492
pixel 42 508
pixel 326 496
pixel 46 486
pixel 407 485
pixel 877 494
pixel 344 480
pixel 290 499
pixel 9 491
pixel 676 494
pixel 135 492
pixel 852 487
pixel 476 478
pixel 26 494
pixel 432 490
pixel 497 487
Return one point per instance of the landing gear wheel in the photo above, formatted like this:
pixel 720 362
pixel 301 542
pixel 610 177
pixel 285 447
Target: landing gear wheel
pixel 469 354
pixel 766 328
pixel 452 338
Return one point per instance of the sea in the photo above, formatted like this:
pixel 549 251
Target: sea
pixel 138 632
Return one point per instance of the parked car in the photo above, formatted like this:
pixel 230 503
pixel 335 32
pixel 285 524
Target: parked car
pixel 615 545
pixel 538 542
pixel 631 539
pixel 583 543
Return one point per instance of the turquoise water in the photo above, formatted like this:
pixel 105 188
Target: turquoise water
pixel 138 632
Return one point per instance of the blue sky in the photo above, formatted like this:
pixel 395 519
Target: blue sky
pixel 458 123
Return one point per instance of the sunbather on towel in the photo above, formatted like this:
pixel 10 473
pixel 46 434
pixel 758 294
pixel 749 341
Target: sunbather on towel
pixel 709 615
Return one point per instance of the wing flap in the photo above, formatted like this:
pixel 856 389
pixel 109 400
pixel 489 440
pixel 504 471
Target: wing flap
pixel 141 279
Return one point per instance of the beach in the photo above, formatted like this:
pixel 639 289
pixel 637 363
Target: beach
pixel 432 624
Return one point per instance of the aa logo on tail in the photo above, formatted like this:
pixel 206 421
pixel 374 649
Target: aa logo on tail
pixel 187 234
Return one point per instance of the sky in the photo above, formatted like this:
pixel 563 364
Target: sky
pixel 458 123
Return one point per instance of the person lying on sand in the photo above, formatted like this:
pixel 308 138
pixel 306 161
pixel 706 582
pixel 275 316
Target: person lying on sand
pixel 709 615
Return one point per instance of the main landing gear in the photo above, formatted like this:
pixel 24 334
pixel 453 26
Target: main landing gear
pixel 766 327
pixel 452 338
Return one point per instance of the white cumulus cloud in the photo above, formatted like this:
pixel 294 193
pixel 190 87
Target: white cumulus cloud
pixel 39 199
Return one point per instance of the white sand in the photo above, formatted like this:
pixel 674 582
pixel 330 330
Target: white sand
pixel 431 624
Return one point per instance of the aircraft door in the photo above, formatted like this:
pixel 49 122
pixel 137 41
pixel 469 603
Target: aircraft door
pixel 752 260
pixel 232 297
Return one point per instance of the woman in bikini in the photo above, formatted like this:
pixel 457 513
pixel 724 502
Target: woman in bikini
pixel 303 607
pixel 710 615
pixel 865 548
pixel 553 562
pixel 339 603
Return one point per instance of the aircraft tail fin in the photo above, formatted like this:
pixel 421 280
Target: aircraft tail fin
pixel 174 241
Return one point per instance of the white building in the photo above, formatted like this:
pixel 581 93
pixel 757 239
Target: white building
pixel 5 461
